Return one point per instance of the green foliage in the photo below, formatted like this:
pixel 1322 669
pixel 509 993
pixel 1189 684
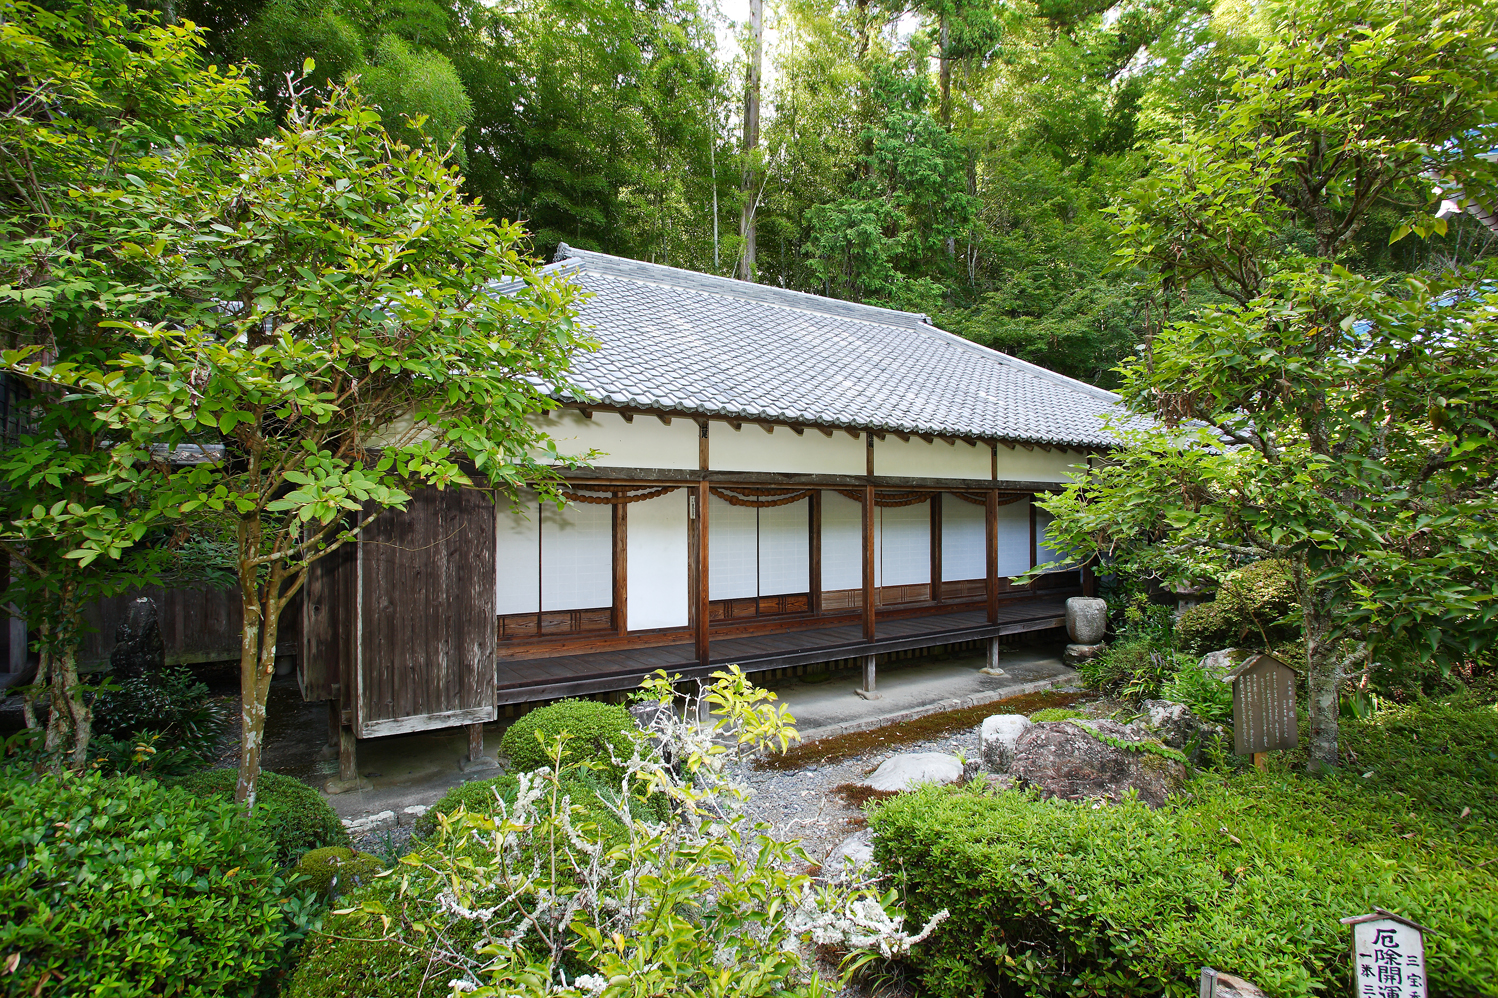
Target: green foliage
pixel 1258 599
pixel 600 733
pixel 1202 690
pixel 171 704
pixel 1135 670
pixel 1205 627
pixel 349 957
pixel 406 84
pixel 335 870
pixel 1149 747
pixel 295 817
pixel 1059 897
pixel 590 794
pixel 1056 714
pixel 122 887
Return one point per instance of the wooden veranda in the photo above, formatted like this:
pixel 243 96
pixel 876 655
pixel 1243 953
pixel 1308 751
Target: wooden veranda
pixel 527 679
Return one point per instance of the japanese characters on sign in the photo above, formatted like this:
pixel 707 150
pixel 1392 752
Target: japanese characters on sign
pixel 1388 957
pixel 1264 718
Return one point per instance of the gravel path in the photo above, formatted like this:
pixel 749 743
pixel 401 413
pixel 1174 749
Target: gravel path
pixel 804 804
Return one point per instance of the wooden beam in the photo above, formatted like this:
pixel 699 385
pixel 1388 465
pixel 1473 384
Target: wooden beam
pixel 814 553
pixel 869 460
pixel 737 424
pixel 936 548
pixel 827 431
pixel 799 431
pixel 702 454
pixel 621 568
pixel 991 549
pixel 587 413
pixel 767 427
pixel 665 420
pixel 855 434
pixel 905 437
pixel 1008 443
pixel 993 462
pixel 868 559
pixel 629 417
pixel 348 755
pixel 700 576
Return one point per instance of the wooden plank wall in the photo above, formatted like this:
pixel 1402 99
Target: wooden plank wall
pixel 427 627
pixel 197 626
pixel 327 624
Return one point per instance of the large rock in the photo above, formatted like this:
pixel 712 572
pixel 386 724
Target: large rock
pixel 1222 661
pixel 1176 725
pixel 902 772
pixel 138 650
pixel 1000 733
pixel 1077 654
pixel 1086 620
pixel 1061 759
pixel 854 853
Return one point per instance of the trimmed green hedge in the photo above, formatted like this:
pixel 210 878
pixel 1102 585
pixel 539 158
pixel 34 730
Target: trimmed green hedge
pixel 294 816
pixel 596 730
pixel 1061 898
pixel 335 870
pixel 121 887
pixel 348 959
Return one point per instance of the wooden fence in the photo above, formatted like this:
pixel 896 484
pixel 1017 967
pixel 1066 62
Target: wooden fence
pixel 196 626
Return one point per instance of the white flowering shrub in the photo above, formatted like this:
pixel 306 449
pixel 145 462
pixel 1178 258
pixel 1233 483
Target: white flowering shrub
pixel 547 902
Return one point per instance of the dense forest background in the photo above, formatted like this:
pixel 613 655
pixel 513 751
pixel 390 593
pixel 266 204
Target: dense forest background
pixel 955 157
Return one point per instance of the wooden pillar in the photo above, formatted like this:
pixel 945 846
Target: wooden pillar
pixel 868 563
pixel 868 672
pixel 814 553
pixel 621 568
pixel 700 573
pixel 475 742
pixel 335 721
pixel 348 754
pixel 993 658
pixel 991 543
pixel 1033 546
pixel 936 547
pixel 1089 580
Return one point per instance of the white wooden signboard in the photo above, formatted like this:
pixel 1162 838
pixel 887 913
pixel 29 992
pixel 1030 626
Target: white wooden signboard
pixel 1388 957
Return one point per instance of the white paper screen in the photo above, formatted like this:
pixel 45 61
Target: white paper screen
pixel 962 536
pixel 1043 551
pixel 517 557
pixel 1014 539
pixel 904 545
pixel 577 556
pixel 732 571
pixel 842 542
pixel 784 548
pixel 657 562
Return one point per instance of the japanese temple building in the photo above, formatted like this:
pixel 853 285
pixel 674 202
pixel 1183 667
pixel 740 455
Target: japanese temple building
pixel 785 480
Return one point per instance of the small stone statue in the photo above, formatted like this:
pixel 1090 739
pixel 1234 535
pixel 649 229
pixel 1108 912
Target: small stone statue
pixel 1086 624
pixel 138 649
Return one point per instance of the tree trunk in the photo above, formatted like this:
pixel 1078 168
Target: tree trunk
pixel 747 223
pixel 69 718
pixel 257 666
pixel 1323 677
pixel 946 73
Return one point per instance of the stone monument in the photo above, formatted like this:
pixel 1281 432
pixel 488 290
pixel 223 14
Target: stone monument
pixel 1086 624
pixel 138 649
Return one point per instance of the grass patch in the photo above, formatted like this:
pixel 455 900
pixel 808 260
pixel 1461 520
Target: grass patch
pixel 920 730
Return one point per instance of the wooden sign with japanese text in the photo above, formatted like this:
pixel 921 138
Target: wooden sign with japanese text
pixel 1264 717
pixel 1388 957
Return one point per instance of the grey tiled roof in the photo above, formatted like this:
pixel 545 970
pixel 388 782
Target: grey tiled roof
pixel 694 343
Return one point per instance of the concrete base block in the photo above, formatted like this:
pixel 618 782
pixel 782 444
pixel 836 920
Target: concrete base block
pixel 867 695
pixel 992 671
pixel 478 765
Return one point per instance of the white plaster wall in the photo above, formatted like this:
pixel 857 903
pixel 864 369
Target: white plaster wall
pixel 1043 550
pixel 1014 539
pixel 577 556
pixel 517 561
pixel 962 537
pixel 903 546
pixel 657 561
pixel 750 448
pixel 842 542
pixel 1020 465
pixel 914 458
pixel 644 443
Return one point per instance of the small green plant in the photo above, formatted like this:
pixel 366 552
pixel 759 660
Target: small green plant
pixel 1055 714
pixel 336 870
pixel 1203 691
pixel 1151 746
pixel 170 712
pixel 295 816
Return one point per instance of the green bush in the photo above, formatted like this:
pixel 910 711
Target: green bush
pixel 595 729
pixel 1257 599
pixel 1204 628
pixel 335 870
pixel 119 886
pixel 1204 692
pixel 483 796
pixel 1135 670
pixel 1056 897
pixel 169 712
pixel 295 817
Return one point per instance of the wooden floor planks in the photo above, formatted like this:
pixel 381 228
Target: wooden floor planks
pixel 534 679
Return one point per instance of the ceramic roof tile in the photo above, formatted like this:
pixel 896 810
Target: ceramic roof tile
pixel 678 340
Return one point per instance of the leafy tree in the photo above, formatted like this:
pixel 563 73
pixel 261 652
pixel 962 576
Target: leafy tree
pixel 329 308
pixel 91 93
pixel 1340 421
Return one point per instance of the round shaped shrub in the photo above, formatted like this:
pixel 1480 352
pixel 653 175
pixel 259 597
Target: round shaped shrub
pixel 595 729
pixel 294 816
pixel 1203 628
pixel 121 886
pixel 483 796
pixel 1255 601
pixel 335 870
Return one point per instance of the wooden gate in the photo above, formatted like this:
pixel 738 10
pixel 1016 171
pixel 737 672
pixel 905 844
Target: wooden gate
pixel 424 643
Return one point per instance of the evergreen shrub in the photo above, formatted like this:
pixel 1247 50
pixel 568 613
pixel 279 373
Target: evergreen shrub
pixel 483 797
pixel 335 870
pixel 1203 628
pixel 294 816
pixel 599 732
pixel 121 887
